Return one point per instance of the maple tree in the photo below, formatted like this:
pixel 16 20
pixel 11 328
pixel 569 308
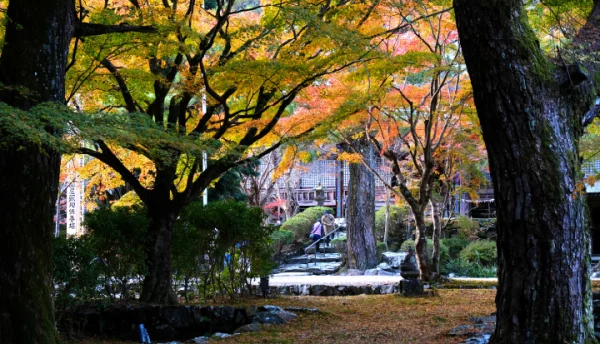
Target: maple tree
pixel 411 108
pixel 533 109
pixel 221 81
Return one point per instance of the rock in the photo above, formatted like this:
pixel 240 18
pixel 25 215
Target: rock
pixel 198 340
pixel 251 311
pixel 385 273
pixel 394 259
pixel 388 288
pixel 302 309
pixel 287 316
pixel 249 328
pixel 354 272
pixel 385 267
pixel 304 289
pixel 371 272
pixel 220 335
pixel 320 290
pixel 463 330
pixel 268 318
pixel 483 339
pixel 270 308
pixel 411 287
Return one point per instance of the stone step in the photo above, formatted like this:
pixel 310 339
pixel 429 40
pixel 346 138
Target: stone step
pixel 315 269
pixel 326 249
pixel 310 258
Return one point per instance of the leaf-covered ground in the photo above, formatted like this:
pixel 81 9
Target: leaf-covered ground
pixel 372 318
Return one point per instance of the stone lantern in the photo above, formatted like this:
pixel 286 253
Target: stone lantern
pixel 320 194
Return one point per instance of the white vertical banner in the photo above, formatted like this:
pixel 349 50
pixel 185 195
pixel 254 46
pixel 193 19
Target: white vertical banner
pixel 75 205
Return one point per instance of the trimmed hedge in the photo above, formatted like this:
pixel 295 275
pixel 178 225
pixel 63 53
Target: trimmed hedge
pixel 314 213
pixel 480 251
pixel 300 226
pixel 280 238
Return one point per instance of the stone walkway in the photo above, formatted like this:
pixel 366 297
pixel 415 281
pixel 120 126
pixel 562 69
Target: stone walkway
pixel 290 279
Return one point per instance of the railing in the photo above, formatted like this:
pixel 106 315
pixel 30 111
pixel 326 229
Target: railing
pixel 318 241
pixel 307 197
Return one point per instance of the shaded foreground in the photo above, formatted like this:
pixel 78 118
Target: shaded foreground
pixel 371 319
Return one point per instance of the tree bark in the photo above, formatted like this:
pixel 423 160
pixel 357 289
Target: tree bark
pixel 362 250
pixel 437 234
pixel 32 70
pixel 531 130
pixel 158 282
pixel 421 245
pixel 386 228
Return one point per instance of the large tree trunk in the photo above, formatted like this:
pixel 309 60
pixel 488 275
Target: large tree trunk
pixel 437 233
pixel 157 287
pixel 531 133
pixel 362 250
pixel 33 62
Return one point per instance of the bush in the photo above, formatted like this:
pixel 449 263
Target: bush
pixel 76 271
pixel 313 213
pixel 223 245
pixel 380 247
pixel 444 253
pixel 397 229
pixel 339 244
pixel 118 238
pixel 463 268
pixel 455 245
pixel 480 251
pixel 300 226
pixel 280 238
pixel 464 226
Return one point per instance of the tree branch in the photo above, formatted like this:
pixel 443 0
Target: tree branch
pixel 129 102
pixel 89 29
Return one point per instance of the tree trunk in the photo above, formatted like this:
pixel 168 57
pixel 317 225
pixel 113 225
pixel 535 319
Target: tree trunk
pixel 421 245
pixel 33 59
pixel 437 234
pixel 157 287
pixel 531 133
pixel 386 229
pixel 362 250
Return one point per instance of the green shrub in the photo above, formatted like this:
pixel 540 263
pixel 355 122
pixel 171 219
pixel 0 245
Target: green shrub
pixel 397 229
pixel 463 268
pixel 381 247
pixel 467 227
pixel 280 238
pixel 444 253
pixel 313 213
pixel 118 237
pixel 455 245
pixel 481 251
pixel 300 226
pixel 76 271
pixel 339 244
pixel 223 245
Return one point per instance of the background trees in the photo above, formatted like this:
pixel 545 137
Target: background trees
pixel 220 80
pixel 414 108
